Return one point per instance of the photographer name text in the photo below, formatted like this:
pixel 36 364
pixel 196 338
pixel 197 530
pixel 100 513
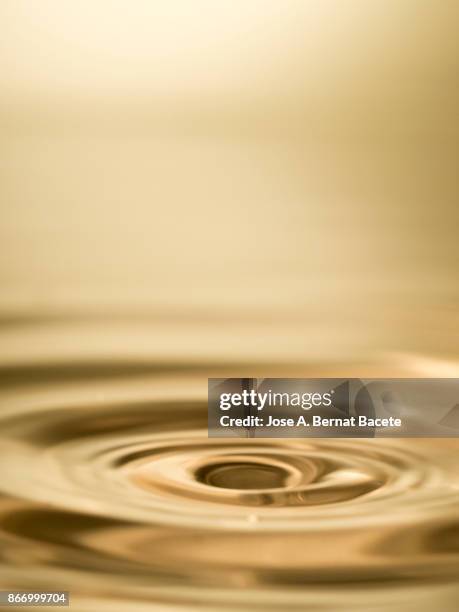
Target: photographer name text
pixel 314 421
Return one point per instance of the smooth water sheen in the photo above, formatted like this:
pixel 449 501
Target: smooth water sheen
pixel 111 489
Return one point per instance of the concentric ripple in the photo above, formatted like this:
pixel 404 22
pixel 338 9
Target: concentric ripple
pixel 111 486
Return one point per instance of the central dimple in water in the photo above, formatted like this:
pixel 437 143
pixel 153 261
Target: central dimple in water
pixel 244 475
pixel 130 489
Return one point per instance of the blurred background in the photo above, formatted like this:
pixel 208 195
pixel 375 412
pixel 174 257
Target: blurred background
pixel 238 163
pixel 223 188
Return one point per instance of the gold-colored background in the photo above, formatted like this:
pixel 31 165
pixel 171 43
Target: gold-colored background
pixel 261 186
pixel 295 159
